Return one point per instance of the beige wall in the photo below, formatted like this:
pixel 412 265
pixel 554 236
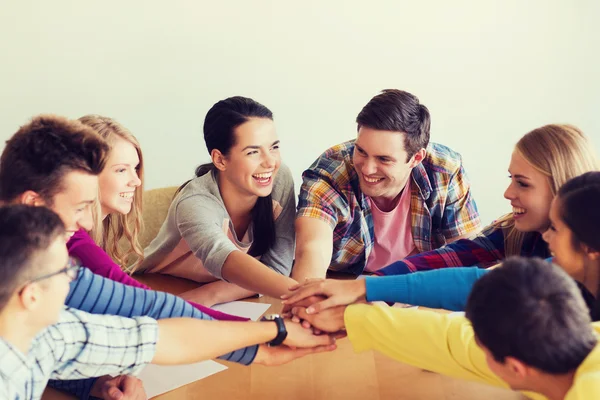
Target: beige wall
pixel 488 71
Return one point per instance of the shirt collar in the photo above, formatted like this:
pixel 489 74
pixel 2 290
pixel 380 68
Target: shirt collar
pixel 420 178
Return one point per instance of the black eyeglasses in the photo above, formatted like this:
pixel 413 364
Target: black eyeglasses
pixel 71 270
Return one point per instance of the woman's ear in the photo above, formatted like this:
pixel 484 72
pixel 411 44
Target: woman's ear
pixel 218 160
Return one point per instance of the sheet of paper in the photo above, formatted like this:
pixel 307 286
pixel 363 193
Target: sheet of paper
pixel 159 379
pixel 243 309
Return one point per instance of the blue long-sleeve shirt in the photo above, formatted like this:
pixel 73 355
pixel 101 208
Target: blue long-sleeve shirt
pixel 446 288
pixel 98 295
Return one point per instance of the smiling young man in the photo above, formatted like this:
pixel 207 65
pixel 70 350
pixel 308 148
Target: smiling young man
pixel 40 338
pixel 55 162
pixel 526 328
pixel 384 196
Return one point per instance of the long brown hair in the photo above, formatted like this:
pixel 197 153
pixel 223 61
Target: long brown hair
pixel 108 233
pixel 561 152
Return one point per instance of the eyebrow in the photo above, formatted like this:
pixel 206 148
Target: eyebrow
pixel 256 147
pixel 86 202
pixel 382 156
pixel 519 176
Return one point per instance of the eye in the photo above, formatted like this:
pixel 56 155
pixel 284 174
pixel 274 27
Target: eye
pixel 384 160
pixel 360 151
pixel 552 228
pixel 276 147
pixel 121 170
pixel 251 153
pixel 522 184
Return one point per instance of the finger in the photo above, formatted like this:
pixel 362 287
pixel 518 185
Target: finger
pixel 323 305
pixel 131 385
pixel 314 350
pixel 114 393
pixel 303 293
pixel 305 324
pixel 339 334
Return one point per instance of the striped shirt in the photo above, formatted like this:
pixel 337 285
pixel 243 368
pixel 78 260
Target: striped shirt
pixel 79 345
pixel 442 207
pixel 97 295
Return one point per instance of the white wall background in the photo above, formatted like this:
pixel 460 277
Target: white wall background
pixel 489 71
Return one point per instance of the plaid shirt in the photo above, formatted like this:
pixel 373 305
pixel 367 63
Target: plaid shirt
pixel 441 204
pixel 80 345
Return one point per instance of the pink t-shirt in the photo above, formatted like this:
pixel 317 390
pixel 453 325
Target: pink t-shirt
pixel 393 234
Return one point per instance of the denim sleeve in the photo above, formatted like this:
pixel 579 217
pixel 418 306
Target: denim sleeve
pixel 446 288
pixel 97 295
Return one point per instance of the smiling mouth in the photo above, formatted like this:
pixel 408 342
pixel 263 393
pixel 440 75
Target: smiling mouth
pixel 263 178
pixel 518 211
pixel 128 195
pixel 372 180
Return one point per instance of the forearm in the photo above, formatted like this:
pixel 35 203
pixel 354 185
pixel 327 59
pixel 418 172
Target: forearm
pixel 254 276
pixel 425 339
pixel 211 338
pixel 444 288
pixel 216 292
pixel 312 261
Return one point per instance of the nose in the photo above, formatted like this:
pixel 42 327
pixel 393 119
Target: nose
pixel 509 193
pixel 269 160
pixel 87 220
pixel 135 179
pixel 546 236
pixel 368 167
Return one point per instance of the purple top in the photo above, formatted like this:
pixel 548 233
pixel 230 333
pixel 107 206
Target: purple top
pixel 83 247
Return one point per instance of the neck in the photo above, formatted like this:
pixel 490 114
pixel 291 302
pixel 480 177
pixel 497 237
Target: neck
pixel 554 387
pixel 15 329
pixel 236 203
pixel 388 203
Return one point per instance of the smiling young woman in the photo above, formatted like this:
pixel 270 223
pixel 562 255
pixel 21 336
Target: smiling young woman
pixel 542 161
pixel 238 210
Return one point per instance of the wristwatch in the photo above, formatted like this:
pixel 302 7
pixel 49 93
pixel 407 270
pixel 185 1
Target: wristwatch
pixel 281 331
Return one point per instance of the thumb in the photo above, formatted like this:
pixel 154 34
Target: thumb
pixel 114 393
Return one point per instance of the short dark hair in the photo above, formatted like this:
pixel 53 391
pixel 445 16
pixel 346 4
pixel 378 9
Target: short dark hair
pixel 398 111
pixel 531 310
pixel 39 155
pixel 24 232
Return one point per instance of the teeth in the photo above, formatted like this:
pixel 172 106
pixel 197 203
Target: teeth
pixel 371 180
pixel 263 176
pixel 519 210
pixel 127 195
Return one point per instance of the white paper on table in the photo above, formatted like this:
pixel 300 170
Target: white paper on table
pixel 159 379
pixel 243 309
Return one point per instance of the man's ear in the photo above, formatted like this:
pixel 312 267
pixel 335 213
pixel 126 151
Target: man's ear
pixel 30 198
pixel 417 158
pixel 30 296
pixel 519 369
pixel 218 160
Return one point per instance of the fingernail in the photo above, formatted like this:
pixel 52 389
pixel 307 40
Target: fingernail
pixel 310 310
pixel 284 296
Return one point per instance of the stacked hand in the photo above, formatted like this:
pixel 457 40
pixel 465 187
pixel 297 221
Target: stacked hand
pixel 298 343
pixel 321 303
pixel 122 387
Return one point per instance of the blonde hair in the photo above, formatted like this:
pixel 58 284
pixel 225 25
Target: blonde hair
pixel 108 233
pixel 560 152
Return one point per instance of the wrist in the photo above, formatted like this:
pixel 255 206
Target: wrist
pixel 360 289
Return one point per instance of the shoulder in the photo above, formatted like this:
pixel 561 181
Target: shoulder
pixel 442 159
pixel 81 236
pixel 335 165
pixel 200 193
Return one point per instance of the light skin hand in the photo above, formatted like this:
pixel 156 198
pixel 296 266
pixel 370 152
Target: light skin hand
pixel 122 387
pixel 279 355
pixel 216 292
pixel 299 336
pixel 330 320
pixel 337 293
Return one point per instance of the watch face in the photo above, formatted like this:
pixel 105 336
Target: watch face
pixel 271 317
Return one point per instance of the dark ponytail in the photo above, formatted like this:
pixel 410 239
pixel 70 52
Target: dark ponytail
pixel 580 212
pixel 219 133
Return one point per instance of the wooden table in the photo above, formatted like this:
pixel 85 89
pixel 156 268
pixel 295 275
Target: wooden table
pixel 341 374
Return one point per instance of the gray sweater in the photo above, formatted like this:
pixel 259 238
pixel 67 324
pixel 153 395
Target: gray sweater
pixel 198 235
